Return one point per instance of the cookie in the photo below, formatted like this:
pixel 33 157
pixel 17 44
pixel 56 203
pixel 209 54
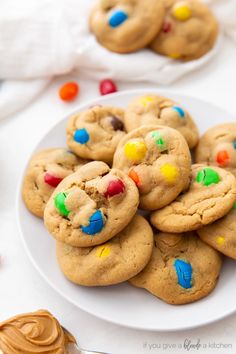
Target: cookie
pixel 35 332
pixel 211 196
pixel 91 206
pixel 116 261
pixel 95 133
pixel 221 235
pixel 45 171
pixel 189 30
pixel 157 158
pixel 155 109
pixel 124 26
pixel 183 269
pixel 217 147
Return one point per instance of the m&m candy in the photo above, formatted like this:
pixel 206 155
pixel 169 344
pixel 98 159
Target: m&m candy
pixel 166 28
pixel 81 136
pixel 117 18
pixel 170 172
pixel 69 91
pixel 223 158
pixel 234 144
pixel 159 140
pixel 59 202
pixel 208 176
pixel 103 251
pixel 145 101
pixel 135 177
pixel 117 124
pixel 220 240
pixel 51 180
pixel 135 150
pixel 181 11
pixel 179 110
pixel 96 224
pixel 184 273
pixel 107 86
pixel 114 188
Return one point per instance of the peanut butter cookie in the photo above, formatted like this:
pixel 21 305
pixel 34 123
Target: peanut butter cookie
pixel 46 170
pixel 157 158
pixel 211 196
pixel 124 256
pixel 183 269
pixel 91 206
pixel 124 26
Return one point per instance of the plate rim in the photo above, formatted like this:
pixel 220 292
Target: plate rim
pixel 18 202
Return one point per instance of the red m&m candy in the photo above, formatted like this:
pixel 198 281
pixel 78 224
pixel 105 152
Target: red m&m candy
pixel 166 27
pixel 69 91
pixel 107 86
pixel 223 158
pixel 114 187
pixel 52 180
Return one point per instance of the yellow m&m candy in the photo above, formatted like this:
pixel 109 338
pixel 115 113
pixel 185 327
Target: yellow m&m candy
pixel 181 11
pixel 174 56
pixel 103 251
pixel 145 101
pixel 220 240
pixel 135 150
pixel 170 172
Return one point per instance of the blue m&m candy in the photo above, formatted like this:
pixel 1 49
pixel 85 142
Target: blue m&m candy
pixel 179 110
pixel 117 18
pixel 81 136
pixel 234 144
pixel 184 273
pixel 96 224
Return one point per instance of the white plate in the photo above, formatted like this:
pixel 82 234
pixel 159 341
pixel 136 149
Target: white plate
pixel 124 304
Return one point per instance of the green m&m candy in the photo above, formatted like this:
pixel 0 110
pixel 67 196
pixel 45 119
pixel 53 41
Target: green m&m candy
pixel 160 142
pixel 59 202
pixel 208 176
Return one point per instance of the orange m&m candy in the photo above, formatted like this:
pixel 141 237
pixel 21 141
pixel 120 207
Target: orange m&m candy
pixel 223 158
pixel 69 91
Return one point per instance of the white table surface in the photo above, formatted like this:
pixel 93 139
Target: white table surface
pixel 21 287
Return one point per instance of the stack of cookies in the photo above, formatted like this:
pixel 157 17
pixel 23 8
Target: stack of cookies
pixel 178 29
pixel 123 165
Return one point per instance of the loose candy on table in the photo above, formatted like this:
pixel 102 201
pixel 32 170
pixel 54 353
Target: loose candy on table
pixel 184 273
pixel 69 91
pixel 81 136
pixel 51 180
pixel 135 150
pixel 179 110
pixel 117 124
pixel 117 18
pixel 223 158
pixel 107 86
pixel 114 188
pixel 59 202
pixel 208 176
pixel 96 224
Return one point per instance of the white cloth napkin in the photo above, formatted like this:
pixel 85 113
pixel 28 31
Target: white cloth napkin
pixel 39 40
